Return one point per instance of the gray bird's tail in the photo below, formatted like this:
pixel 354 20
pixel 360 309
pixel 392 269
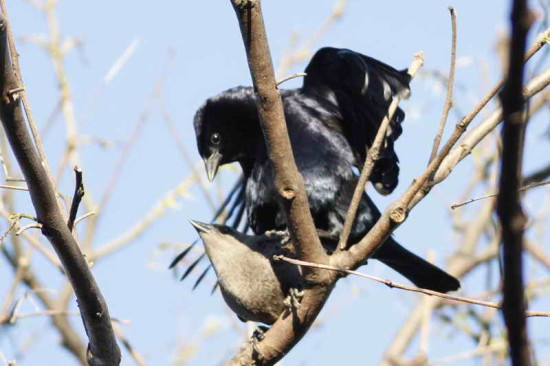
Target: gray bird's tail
pixel 415 269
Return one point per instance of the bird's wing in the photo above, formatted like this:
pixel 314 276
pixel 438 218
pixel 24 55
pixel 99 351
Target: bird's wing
pixel 359 89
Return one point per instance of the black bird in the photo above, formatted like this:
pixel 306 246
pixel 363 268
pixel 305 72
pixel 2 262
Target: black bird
pixel 252 284
pixel 331 121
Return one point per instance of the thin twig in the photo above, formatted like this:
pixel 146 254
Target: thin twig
pixel 297 75
pixel 194 168
pixel 522 189
pixel 392 284
pixel 372 156
pixel 22 265
pixel 27 227
pixel 538 253
pixel 136 356
pixel 540 174
pixel 77 197
pixel 69 337
pixel 301 53
pixel 15 188
pixel 450 84
pixel 158 210
pixel 28 112
pixel 83 217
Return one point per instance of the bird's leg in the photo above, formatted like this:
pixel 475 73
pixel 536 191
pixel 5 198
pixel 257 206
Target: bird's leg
pixel 292 301
pixel 258 336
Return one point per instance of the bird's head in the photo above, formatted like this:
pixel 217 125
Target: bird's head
pixel 223 243
pixel 227 128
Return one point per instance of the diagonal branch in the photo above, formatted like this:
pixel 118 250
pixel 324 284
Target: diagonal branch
pixel 103 349
pixel 372 156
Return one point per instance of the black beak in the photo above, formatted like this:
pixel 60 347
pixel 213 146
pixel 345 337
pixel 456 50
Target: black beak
pixel 201 227
pixel 212 163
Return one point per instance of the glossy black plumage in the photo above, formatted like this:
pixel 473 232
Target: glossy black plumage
pixel 331 121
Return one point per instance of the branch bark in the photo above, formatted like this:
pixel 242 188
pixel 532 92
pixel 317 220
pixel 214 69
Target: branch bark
pixel 372 157
pixel 509 210
pixel 450 84
pixel 102 349
pixel 287 331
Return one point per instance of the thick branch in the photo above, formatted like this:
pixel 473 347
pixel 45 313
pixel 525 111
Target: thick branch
pixel 287 331
pixel 103 349
pixel 509 208
pixel 288 181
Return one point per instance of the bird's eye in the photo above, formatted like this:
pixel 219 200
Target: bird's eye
pixel 215 138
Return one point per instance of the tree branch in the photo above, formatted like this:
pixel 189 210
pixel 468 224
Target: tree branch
pixel 286 331
pixel 77 197
pixel 103 349
pixel 509 208
pixel 372 157
pixel 450 84
pixel 392 284
pixel 396 214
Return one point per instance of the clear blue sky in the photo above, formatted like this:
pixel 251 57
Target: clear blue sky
pixel 208 57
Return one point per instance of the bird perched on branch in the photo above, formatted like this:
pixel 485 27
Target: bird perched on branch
pixel 332 121
pixel 253 285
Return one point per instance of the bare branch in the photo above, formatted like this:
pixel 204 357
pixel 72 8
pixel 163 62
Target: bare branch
pixel 509 208
pixel 372 157
pixel 450 84
pixel 27 227
pixel 522 189
pixel 17 70
pixel 136 356
pixel 392 284
pixel 286 332
pixel 158 210
pixel 102 348
pixel 77 197
pixel 15 188
pixel 467 144
pixel 297 75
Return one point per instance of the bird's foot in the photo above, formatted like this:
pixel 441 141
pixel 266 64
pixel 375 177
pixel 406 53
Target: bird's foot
pixel 259 333
pixel 284 235
pixel 294 299
pixel 257 336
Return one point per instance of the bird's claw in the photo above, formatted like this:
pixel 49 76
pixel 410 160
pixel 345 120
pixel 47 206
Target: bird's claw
pixel 284 235
pixel 257 336
pixel 294 298
pixel 259 333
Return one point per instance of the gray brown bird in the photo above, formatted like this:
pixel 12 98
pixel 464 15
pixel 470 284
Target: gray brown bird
pixel 253 285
